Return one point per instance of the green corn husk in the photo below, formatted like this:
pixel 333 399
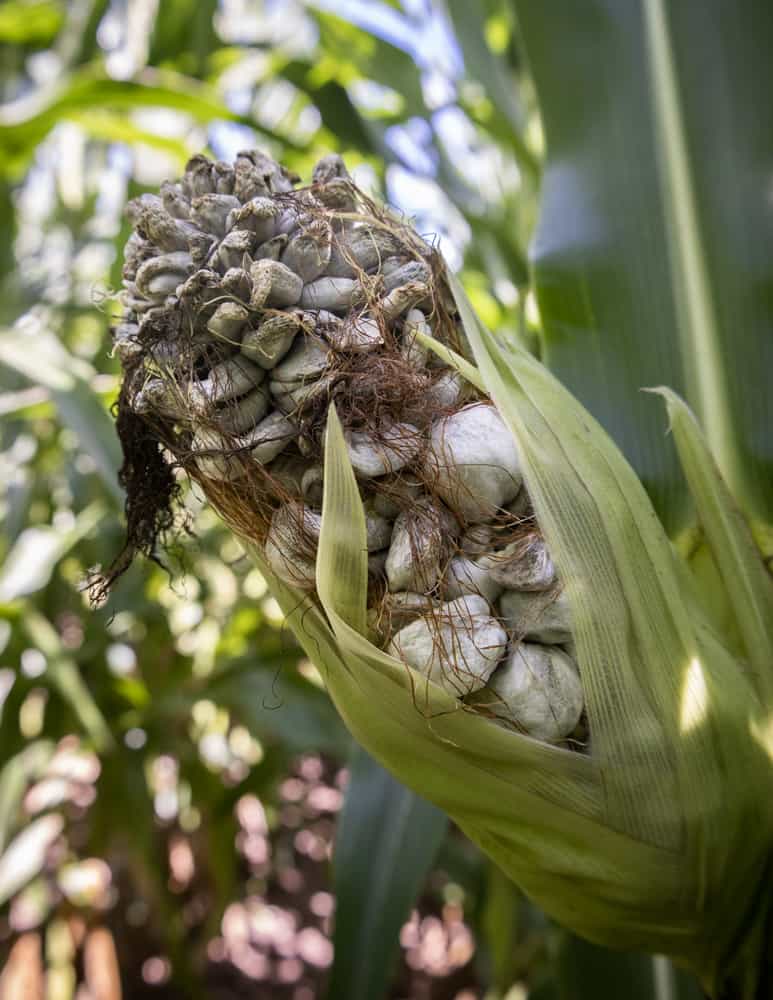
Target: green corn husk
pixel 660 839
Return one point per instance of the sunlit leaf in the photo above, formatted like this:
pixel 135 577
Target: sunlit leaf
pixel 34 22
pixel 747 581
pixel 297 713
pixel 375 58
pixel 114 127
pixel 335 106
pixel 43 359
pixel 26 122
pixel 24 857
pixel 499 87
pixel 184 34
pixel 30 563
pixel 14 778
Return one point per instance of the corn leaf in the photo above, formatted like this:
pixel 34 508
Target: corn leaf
pixel 586 972
pixel 26 122
pixel 386 841
pixel 335 106
pixel 501 922
pixel 14 779
pixel 37 550
pixel 184 34
pixel 44 360
pixel 654 245
pixel 296 713
pixel 748 583
pixel 490 71
pixel 64 676
pixel 35 24
pixel 370 54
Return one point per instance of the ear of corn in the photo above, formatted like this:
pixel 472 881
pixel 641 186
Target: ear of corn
pixel 638 842
pixel 642 844
pixel 232 352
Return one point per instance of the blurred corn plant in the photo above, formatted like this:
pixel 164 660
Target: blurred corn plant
pixel 643 263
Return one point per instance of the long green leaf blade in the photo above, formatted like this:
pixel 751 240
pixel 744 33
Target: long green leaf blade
pixel 386 841
pixel 342 577
pixel 490 71
pixel 587 972
pixel 654 242
pixel 67 679
pixel 748 583
pixel 14 778
pixel 44 360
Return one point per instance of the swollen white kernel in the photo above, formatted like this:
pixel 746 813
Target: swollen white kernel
pixel 458 646
pixel 308 358
pixel 539 690
pixel 228 320
pixel 274 284
pixel 473 461
pixel 538 617
pixel 240 415
pixel 419 538
pixel 522 565
pixel 267 345
pixel 393 449
pixel 463 576
pixel 271 437
pixel 228 380
pixel 290 546
pixel 335 294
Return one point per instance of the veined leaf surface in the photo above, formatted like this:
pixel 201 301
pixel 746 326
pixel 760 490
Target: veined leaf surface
pixel 653 257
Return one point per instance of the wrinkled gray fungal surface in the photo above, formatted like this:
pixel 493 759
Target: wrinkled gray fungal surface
pixel 458 645
pixel 537 689
pixel 251 305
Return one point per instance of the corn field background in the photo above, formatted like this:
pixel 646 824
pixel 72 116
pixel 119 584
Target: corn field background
pixel 182 812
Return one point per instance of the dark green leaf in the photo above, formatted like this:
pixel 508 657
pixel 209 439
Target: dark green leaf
pixel 587 972
pixel 584 971
pixel 8 225
pixel 653 254
pixel 77 42
pixel 335 106
pixel 386 841
pixel 266 701
pixel 183 33
pixel 501 926
pixel 374 59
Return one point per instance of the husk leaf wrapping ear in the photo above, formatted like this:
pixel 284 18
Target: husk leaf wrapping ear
pixel 642 843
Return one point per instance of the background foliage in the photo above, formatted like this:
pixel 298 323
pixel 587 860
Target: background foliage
pixel 172 769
